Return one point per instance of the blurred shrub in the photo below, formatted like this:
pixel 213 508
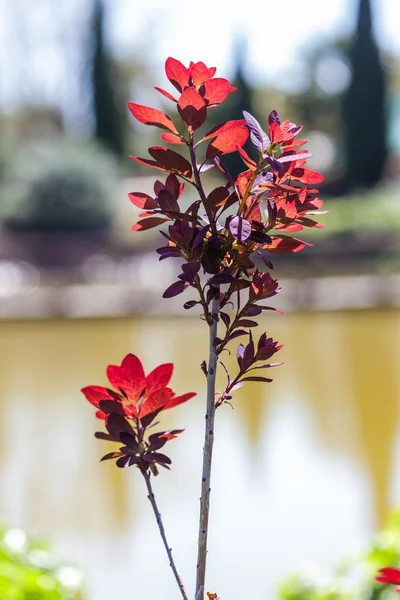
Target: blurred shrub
pixel 28 571
pixel 354 579
pixel 59 187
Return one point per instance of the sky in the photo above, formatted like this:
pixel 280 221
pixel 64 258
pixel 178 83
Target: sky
pixel 276 31
pixel 41 50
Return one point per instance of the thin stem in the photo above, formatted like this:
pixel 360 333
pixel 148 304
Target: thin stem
pixel 207 454
pixel 152 499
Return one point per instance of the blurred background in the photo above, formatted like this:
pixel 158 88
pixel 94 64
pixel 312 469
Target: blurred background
pixel 307 469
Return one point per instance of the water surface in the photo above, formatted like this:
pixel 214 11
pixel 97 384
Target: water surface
pixel 305 468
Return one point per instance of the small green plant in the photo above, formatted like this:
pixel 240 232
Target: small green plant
pixel 29 571
pixel 353 579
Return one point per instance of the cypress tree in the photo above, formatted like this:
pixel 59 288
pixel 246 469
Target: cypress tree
pixel 364 110
pixel 232 108
pixel 108 120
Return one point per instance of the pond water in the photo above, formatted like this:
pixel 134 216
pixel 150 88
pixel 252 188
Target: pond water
pixel 306 468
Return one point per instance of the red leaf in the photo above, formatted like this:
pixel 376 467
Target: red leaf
pixel 192 108
pixel 222 127
pixel 166 94
pixel 177 73
pixel 284 244
pixel 171 138
pixel 249 162
pixel 227 140
pixel 216 90
pixel 155 401
pixel 171 161
pixel 180 399
pixel 200 73
pixel 306 175
pixel 148 223
pixel 151 116
pixel 142 200
pixel 159 377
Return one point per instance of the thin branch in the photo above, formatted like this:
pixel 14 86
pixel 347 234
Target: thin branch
pixel 152 499
pixel 207 454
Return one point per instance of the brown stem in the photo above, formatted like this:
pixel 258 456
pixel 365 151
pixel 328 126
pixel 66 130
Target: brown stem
pixel 152 499
pixel 207 454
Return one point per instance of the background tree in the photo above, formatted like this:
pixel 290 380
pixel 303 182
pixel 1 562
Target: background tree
pixel 364 109
pixel 108 118
pixel 235 104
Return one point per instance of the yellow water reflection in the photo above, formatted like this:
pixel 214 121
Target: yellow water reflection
pixel 303 466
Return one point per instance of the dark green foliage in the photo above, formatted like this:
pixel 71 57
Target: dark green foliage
pixel 108 116
pixel 233 107
pixel 364 110
pixel 64 187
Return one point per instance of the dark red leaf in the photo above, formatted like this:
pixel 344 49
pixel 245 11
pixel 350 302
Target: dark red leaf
pixel 148 223
pixel 167 201
pixel 192 109
pixel 217 198
pixel 142 200
pixel 170 160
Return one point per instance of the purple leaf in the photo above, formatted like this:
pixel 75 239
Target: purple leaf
pixel 224 170
pixel 189 304
pixel 126 461
pixel 240 228
pixel 101 435
pixel 274 117
pixel 247 323
pixel 225 318
pixel 252 311
pixel 248 356
pixel 258 137
pixel 265 379
pixel 161 458
pixel 111 406
pixel 110 455
pixel 191 268
pixel 116 425
pixel 220 279
pixel 200 236
pixel 129 441
pixel 240 355
pixel 263 177
pixel 237 333
pixel 176 288
pixel 275 164
pixel 290 157
pixel 168 251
